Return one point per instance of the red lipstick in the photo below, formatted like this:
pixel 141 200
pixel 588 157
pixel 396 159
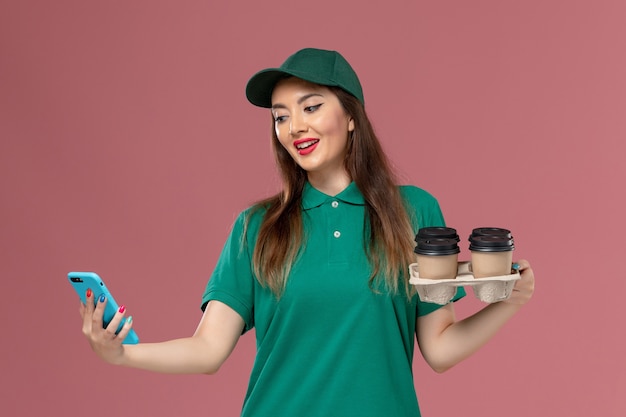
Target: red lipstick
pixel 306 146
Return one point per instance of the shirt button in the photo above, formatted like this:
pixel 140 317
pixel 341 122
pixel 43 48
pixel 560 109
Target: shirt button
pixel 334 204
pixel 337 233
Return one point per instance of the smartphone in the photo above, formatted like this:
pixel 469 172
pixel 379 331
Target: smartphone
pixel 81 281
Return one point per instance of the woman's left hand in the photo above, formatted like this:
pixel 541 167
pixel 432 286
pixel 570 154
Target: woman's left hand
pixel 525 286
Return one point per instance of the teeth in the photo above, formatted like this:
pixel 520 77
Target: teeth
pixel 305 145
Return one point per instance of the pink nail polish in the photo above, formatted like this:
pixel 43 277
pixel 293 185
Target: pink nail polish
pixel 122 309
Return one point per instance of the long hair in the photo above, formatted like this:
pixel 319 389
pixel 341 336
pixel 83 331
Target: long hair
pixel 387 229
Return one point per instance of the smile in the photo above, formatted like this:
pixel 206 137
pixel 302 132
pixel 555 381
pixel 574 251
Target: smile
pixel 306 146
pixel 303 144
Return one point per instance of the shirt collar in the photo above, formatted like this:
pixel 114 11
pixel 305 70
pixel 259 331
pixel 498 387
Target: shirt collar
pixel 312 197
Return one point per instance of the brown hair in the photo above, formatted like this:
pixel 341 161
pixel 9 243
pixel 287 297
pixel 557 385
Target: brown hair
pixel 387 229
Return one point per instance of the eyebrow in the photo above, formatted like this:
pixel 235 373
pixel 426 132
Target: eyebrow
pixel 300 100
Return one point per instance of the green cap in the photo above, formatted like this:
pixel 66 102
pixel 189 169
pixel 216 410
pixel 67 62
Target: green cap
pixel 318 66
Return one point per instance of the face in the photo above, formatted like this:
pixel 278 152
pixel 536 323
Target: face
pixel 312 126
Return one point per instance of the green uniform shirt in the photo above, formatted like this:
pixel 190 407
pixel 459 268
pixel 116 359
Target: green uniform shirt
pixel 330 346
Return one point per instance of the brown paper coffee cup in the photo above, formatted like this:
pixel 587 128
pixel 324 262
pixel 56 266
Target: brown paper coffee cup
pixel 491 255
pixel 437 267
pixel 437 258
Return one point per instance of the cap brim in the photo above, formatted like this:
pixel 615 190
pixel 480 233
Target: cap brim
pixel 260 86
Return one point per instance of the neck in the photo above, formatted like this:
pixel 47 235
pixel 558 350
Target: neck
pixel 329 184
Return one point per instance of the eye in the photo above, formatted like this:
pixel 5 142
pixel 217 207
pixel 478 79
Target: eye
pixel 279 119
pixel 311 109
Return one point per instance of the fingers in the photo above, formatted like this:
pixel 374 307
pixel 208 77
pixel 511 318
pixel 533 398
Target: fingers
pixel 526 272
pixel 87 308
pixel 98 313
pixel 86 312
pixel 128 324
pixel 114 324
pixel 93 318
pixel 522 265
pixel 525 286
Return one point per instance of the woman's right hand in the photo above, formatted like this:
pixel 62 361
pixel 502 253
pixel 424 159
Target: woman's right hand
pixel 203 353
pixel 104 341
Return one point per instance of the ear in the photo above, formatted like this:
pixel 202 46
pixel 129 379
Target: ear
pixel 350 124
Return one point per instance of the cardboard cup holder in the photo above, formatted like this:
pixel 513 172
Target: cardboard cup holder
pixel 441 291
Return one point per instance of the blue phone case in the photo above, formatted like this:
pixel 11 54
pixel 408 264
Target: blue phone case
pixel 81 281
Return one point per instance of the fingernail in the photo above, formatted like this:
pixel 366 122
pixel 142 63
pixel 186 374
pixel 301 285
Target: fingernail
pixel 102 298
pixel 516 266
pixel 122 309
pixel 129 320
pixel 89 292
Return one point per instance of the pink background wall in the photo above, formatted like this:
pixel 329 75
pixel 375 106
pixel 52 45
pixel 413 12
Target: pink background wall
pixel 127 147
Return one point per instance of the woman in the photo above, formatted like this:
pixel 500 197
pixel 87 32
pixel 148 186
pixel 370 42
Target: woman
pixel 320 269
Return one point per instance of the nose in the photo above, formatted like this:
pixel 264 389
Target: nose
pixel 297 125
